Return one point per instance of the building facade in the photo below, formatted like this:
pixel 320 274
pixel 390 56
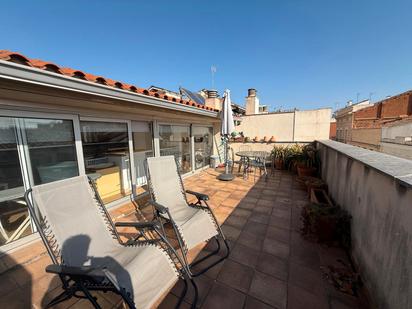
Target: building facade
pixel 345 118
pixel 57 123
pixel 369 123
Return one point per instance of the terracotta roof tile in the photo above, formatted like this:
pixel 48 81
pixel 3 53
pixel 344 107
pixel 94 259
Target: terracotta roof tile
pixel 51 67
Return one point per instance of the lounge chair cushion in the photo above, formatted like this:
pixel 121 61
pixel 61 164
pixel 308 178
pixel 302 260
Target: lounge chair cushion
pixel 84 239
pixel 195 225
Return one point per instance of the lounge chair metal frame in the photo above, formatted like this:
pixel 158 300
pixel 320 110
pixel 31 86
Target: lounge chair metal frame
pixel 162 214
pixel 78 282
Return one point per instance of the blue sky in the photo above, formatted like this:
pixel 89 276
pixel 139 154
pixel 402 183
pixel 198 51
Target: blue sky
pixel 296 53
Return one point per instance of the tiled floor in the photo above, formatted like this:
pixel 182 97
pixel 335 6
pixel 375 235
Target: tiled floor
pixel 270 265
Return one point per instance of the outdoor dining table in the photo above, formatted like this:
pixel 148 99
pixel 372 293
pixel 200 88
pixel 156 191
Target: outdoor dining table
pixel 247 156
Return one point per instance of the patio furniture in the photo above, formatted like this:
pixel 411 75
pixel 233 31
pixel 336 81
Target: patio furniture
pixel 88 254
pixel 193 223
pixel 254 159
pixel 233 161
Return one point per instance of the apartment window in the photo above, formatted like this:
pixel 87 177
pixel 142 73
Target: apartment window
pixel 33 151
pixel 106 157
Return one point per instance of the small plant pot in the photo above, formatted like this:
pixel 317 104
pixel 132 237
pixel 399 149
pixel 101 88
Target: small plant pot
pixel 306 171
pixel 279 164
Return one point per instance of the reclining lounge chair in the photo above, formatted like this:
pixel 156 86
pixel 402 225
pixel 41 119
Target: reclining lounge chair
pixel 192 223
pixel 88 254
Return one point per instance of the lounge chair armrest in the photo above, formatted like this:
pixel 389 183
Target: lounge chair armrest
pixel 139 225
pixel 76 271
pixel 199 196
pixel 160 208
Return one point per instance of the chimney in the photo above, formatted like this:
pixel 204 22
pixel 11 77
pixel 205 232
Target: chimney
pixel 212 100
pixel 252 102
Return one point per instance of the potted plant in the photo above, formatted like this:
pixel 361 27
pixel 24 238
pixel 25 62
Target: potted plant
pixel 278 153
pixel 256 139
pixel 247 139
pixel 327 223
pixel 291 156
pixel 265 139
pixel 307 161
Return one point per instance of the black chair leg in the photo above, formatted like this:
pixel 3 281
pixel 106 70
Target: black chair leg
pixel 211 254
pixel 65 295
pixel 183 294
pixel 195 297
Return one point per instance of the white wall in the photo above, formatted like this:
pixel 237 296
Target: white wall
pixel 312 124
pixel 300 126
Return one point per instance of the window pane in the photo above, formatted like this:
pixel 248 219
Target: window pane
pixel 142 149
pixel 14 217
pixel 203 138
pixel 106 157
pixel 175 140
pixel 52 150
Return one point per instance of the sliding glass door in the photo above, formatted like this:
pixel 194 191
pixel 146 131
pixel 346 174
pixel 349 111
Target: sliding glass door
pixel 142 137
pixel 32 151
pixel 203 145
pixel 175 140
pixel 106 157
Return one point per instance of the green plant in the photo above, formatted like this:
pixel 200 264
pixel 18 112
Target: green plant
pixel 308 156
pixel 279 152
pixel 292 155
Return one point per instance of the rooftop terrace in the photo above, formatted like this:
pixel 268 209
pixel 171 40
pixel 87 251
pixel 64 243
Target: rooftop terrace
pixel 270 266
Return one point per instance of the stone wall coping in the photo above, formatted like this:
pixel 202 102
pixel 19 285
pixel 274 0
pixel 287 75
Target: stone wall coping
pixel 398 168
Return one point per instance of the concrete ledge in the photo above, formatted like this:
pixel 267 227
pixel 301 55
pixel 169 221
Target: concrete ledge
pixel 395 167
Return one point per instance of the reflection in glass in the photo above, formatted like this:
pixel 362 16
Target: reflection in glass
pixel 175 140
pixel 203 145
pixel 106 157
pixel 14 217
pixel 142 149
pixel 52 151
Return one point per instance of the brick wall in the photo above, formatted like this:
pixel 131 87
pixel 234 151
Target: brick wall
pixel 332 130
pixel 372 112
pixel 397 106
pixel 390 109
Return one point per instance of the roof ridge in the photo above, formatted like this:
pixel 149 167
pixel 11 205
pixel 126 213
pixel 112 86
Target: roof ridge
pixel 40 64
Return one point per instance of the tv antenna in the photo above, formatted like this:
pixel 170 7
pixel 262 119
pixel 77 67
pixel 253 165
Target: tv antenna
pixel 213 70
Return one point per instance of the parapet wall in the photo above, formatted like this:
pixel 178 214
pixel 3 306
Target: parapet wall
pixel 376 189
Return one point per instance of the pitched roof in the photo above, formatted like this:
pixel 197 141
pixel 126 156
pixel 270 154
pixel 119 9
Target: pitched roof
pixel 20 59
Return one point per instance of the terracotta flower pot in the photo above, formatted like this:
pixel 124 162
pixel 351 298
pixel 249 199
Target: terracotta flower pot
pixel 256 139
pixel 279 164
pixel 306 171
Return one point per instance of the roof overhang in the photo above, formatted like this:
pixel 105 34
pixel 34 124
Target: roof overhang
pixel 26 74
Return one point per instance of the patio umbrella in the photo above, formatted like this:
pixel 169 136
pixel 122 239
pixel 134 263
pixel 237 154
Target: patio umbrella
pixel 227 127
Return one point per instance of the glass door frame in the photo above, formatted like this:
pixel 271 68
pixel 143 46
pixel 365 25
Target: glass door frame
pixel 130 144
pixel 192 138
pixel 157 142
pixel 23 151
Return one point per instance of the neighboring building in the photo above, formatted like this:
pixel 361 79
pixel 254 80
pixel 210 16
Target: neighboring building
pixel 368 122
pixel 58 123
pixel 397 138
pixel 332 130
pixel 285 127
pixel 344 120
pixel 252 102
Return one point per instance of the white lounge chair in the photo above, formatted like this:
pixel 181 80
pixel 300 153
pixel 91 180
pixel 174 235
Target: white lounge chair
pixel 87 252
pixel 192 223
